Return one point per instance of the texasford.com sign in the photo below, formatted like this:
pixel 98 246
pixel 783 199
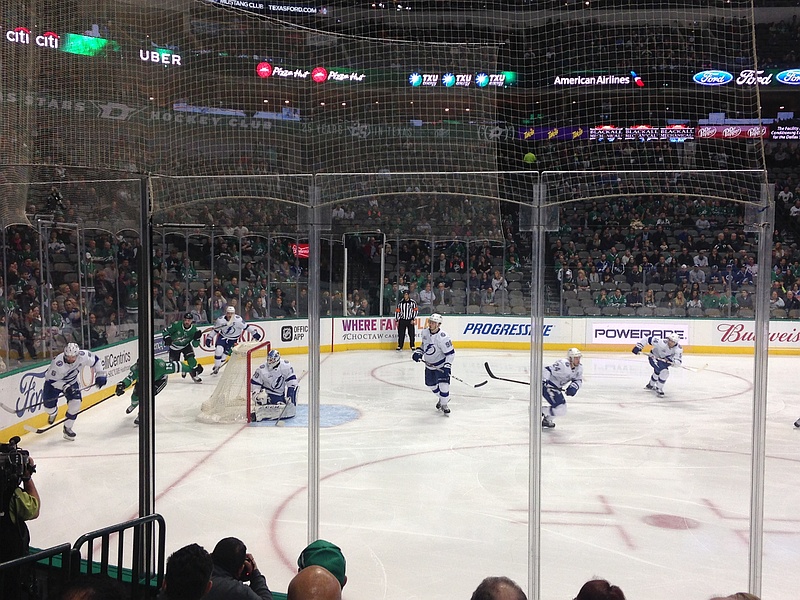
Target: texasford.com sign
pixel 623 332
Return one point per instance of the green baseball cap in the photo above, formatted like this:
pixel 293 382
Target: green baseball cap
pixel 326 555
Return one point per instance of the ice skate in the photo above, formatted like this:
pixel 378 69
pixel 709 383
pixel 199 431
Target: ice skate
pixel 445 409
pixel 51 418
pixel 215 370
pixel 660 393
pixel 69 434
pixel 196 379
pixel 399 349
pixel 797 423
pixel 439 407
pixel 650 387
pixel 130 409
pixel 183 374
pixel 547 422
pixel 136 420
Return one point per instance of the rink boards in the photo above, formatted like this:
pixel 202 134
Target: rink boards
pixel 22 390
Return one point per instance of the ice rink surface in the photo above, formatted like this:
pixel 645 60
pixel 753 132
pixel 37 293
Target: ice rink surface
pixel 650 493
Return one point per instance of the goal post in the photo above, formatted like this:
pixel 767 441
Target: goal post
pixel 230 400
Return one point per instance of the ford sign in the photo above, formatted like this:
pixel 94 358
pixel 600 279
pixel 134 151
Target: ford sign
pixel 789 77
pixel 712 77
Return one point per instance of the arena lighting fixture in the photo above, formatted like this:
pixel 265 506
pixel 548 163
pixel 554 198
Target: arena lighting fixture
pixel 344 103
pixel 322 104
pixel 446 110
pixel 286 102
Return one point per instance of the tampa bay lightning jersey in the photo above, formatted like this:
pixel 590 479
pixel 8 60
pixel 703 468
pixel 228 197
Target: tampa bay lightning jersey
pixel 62 374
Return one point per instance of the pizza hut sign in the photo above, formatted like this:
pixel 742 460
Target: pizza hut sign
pixel 731 131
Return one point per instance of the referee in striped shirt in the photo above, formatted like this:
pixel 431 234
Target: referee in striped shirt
pixel 405 315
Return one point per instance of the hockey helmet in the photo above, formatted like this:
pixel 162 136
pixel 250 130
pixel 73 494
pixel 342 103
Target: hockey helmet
pixel 435 318
pixel 273 358
pixel 572 354
pixel 673 337
pixel 230 310
pixel 188 316
pixel 71 350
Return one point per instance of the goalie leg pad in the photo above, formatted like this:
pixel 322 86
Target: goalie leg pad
pixel 272 412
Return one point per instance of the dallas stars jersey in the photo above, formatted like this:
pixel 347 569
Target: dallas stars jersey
pixel 161 368
pixel 182 337
pixel 62 374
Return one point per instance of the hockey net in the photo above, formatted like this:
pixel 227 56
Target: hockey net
pixel 230 400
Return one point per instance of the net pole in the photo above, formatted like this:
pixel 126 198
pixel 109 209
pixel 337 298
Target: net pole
pixel 535 428
pixel 759 432
pixel 313 375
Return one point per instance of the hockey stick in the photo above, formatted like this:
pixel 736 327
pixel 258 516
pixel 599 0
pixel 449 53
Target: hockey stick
pixel 33 429
pixel 477 385
pixel 278 422
pixel 493 376
pixel 14 411
pixel 681 366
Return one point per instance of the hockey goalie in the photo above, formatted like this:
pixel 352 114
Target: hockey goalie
pixel 273 390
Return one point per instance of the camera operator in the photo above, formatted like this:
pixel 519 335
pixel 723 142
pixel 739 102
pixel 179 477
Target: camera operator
pixel 232 566
pixel 17 505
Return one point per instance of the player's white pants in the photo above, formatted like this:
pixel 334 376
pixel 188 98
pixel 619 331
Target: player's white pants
pixel 439 384
pixel 658 379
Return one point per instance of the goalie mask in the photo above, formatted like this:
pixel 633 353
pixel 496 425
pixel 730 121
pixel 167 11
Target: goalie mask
pixel 273 359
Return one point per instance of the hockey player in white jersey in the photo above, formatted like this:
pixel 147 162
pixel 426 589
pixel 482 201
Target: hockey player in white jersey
pixel 274 390
pixel 437 352
pixel 565 376
pixel 229 328
pixel 62 377
pixel 665 353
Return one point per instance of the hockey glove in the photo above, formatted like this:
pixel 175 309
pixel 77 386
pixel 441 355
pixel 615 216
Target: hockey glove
pixel 120 389
pixel 572 389
pixel 100 380
pixel 167 340
pixel 446 371
pixel 256 336
pixel 637 348
pixel 291 393
pixel 417 356
pixel 198 334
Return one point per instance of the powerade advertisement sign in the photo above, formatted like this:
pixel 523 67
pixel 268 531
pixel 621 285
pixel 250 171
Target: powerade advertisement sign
pixel 633 332
pixel 748 77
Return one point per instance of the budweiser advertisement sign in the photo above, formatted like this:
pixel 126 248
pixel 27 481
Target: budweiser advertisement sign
pixel 731 131
pixel 743 334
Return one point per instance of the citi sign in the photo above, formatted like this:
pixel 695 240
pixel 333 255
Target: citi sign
pixel 22 35
pixel 712 78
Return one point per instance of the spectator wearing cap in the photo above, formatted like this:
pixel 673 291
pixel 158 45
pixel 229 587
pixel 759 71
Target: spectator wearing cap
pixel 324 554
pixel 233 568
